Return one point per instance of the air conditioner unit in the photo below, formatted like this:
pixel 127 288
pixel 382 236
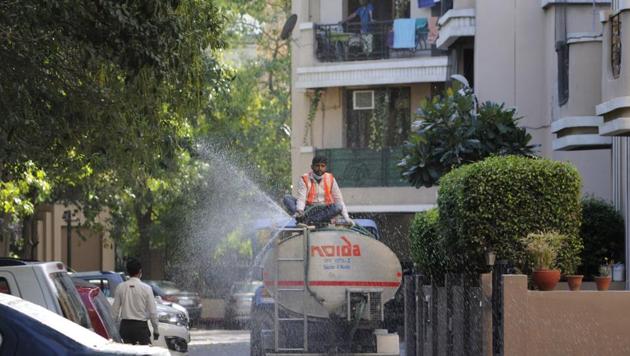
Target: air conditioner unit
pixel 363 99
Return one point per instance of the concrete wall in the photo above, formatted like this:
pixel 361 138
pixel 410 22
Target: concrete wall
pixel 464 4
pixel 91 249
pixel 509 61
pixel 516 63
pixel 564 322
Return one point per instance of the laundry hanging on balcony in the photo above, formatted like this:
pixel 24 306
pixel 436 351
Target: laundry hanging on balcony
pixel 427 3
pixel 404 33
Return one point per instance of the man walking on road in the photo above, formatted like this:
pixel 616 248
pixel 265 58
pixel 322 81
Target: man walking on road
pixel 133 305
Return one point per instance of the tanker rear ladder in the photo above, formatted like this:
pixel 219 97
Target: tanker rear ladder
pixel 304 290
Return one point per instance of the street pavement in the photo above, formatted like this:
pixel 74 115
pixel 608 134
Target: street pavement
pixel 218 342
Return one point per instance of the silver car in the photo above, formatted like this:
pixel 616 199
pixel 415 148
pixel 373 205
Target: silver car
pixel 239 304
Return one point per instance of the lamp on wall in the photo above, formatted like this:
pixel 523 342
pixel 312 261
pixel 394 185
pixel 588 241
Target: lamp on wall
pixel 466 89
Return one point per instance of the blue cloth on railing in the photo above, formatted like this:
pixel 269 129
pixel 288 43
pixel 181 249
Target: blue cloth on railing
pixel 426 3
pixel 404 33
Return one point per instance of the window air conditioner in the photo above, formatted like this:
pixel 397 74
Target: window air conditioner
pixel 363 100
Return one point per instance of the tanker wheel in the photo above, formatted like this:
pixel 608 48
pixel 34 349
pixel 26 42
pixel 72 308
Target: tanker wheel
pixel 260 319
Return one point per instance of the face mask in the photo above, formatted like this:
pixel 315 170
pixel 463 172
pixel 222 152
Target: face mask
pixel 317 177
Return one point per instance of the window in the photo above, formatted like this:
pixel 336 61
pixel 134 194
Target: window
pixel 104 311
pixel 71 305
pixel 615 45
pixel 562 49
pixel 103 284
pixel 4 286
pixel 385 126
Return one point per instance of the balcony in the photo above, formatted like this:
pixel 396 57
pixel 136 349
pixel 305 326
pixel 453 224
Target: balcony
pixel 341 43
pixel 355 168
pixel 454 24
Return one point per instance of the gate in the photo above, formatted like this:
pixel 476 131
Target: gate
pixel 452 316
pixel 443 318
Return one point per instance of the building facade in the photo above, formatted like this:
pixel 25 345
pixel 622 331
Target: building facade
pixel 355 90
pixel 46 237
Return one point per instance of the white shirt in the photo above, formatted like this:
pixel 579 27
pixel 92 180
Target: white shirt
pixel 134 300
pixel 320 194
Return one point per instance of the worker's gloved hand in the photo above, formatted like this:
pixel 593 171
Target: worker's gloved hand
pixel 299 216
pixel 351 222
pixel 156 336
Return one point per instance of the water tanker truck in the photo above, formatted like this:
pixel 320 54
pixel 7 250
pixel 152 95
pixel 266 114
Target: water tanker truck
pixel 326 288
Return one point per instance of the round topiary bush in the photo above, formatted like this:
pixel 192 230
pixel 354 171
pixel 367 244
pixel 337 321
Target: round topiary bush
pixel 493 204
pixel 603 235
pixel 427 248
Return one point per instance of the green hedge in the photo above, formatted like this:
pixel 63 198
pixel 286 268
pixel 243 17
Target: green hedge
pixel 427 248
pixel 493 203
pixel 603 234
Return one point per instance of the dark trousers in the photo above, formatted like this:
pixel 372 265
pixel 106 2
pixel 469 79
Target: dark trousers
pixel 135 332
pixel 313 213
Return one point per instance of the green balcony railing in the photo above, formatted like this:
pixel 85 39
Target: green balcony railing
pixel 364 167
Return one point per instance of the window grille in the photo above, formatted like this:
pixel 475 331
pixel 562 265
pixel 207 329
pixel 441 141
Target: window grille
pixel 615 45
pixel 562 50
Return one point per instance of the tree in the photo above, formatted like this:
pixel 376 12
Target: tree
pixel 251 118
pixel 448 134
pixel 103 97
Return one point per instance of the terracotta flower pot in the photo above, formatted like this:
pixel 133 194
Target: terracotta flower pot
pixel 603 282
pixel 546 279
pixel 575 281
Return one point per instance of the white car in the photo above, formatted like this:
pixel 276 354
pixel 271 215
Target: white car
pixel 173 328
pixel 27 328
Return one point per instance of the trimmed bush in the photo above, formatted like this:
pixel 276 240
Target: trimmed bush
pixel 427 248
pixel 493 204
pixel 603 235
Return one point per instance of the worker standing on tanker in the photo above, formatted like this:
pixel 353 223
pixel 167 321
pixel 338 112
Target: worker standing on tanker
pixel 319 189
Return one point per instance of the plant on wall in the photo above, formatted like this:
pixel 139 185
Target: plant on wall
pixel 378 120
pixel 312 110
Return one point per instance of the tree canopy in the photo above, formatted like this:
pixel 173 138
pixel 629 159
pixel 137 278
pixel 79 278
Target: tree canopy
pixel 452 131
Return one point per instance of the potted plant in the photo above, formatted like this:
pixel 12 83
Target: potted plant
pixel 542 252
pixel 603 280
pixel 574 280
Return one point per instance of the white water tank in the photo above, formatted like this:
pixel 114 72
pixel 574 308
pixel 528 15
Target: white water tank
pixel 339 261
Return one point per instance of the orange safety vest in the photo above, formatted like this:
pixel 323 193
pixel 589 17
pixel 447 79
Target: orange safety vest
pixel 311 188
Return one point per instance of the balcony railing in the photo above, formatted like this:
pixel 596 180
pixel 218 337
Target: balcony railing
pixel 364 167
pixel 339 43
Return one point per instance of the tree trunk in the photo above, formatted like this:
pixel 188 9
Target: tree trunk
pixel 145 222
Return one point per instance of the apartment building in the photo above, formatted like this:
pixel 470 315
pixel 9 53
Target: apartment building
pixel 559 63
pixel 354 96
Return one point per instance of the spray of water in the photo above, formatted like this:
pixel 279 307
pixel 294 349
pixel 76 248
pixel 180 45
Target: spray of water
pixel 220 237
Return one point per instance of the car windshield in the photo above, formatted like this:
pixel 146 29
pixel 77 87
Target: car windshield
pixel 104 310
pixel 69 299
pixel 166 285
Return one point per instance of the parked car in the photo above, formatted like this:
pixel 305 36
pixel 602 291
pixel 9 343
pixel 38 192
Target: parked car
pixel 169 291
pixel 43 283
pixel 98 308
pixel 107 281
pixel 239 304
pixel 174 331
pixel 30 329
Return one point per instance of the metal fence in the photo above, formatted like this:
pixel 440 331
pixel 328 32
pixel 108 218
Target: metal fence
pixel 364 167
pixel 346 42
pixel 443 318
pixel 451 317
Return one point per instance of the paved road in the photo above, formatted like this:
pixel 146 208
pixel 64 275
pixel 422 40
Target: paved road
pixel 219 342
